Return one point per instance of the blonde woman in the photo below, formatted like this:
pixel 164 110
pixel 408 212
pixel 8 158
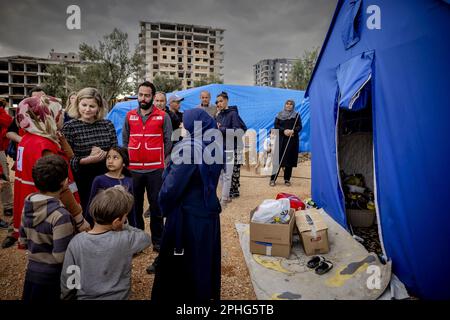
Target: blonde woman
pixel 70 104
pixel 90 136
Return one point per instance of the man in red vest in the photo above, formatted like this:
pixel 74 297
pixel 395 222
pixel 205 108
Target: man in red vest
pixel 147 133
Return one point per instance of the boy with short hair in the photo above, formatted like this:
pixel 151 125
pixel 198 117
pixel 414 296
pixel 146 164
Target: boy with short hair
pixel 102 256
pixel 46 230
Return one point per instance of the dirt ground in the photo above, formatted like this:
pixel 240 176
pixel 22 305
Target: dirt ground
pixel 236 283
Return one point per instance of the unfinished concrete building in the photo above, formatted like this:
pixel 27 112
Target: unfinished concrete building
pixel 20 74
pixel 273 72
pixel 187 52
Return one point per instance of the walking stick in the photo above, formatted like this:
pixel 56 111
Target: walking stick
pixel 285 149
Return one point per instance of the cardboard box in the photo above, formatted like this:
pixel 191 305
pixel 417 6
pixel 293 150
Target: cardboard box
pixel 271 239
pixel 313 232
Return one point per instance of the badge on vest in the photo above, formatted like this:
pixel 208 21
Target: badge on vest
pixel 134 118
pixel 158 118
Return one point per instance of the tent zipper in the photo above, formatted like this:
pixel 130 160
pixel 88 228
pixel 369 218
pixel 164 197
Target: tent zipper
pixel 339 169
pixel 357 93
pixel 375 200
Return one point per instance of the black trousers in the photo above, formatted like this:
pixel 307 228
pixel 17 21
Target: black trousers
pixel 287 174
pixel 41 287
pixel 150 182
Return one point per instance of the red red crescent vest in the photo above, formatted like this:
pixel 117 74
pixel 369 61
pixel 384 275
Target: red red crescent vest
pixel 29 151
pixel 146 143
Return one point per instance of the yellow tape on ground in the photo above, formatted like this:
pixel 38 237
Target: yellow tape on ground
pixel 338 280
pixel 271 264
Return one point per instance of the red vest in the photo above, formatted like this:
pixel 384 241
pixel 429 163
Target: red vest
pixel 146 143
pixel 29 151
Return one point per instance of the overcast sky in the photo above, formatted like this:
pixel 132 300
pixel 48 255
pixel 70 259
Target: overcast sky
pixel 255 30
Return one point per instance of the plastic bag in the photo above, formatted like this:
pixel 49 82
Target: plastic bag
pixel 295 201
pixel 272 211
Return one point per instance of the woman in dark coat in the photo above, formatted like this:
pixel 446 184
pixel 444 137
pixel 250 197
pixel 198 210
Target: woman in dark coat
pixel 289 123
pixel 190 256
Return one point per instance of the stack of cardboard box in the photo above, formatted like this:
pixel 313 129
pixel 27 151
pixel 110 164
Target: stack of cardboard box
pixel 273 239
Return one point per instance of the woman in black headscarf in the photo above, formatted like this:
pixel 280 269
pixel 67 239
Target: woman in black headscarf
pixel 189 265
pixel 289 124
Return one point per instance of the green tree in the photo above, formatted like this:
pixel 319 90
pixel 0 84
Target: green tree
pixel 166 84
pixel 137 68
pixel 213 78
pixel 302 70
pixel 109 65
pixel 61 80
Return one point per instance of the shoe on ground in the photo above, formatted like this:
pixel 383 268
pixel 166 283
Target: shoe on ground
pixel 323 267
pixel 287 183
pixel 4 224
pixel 272 183
pixel 8 242
pixel 147 214
pixel 151 269
pixel 156 248
pixel 8 212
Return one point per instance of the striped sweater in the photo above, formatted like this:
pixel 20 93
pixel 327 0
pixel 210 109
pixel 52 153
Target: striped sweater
pixel 46 230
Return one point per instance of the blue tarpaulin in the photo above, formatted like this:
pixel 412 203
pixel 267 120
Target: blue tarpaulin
pixel 257 106
pixel 408 42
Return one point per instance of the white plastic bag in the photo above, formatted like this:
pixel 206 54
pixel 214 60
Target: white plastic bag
pixel 271 210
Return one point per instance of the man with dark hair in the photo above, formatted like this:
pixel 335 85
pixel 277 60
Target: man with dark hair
pixel 36 92
pixel 176 117
pixel 147 133
pixel 46 230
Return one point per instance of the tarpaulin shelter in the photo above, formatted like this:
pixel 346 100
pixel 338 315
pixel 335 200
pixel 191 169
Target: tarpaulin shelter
pixel 257 106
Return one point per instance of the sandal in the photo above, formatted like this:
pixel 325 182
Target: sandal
pixel 324 267
pixel 315 261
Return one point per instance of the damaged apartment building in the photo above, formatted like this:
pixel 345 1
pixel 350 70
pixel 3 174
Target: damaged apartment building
pixel 188 52
pixel 20 74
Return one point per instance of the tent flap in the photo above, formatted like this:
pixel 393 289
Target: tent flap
pixel 350 28
pixel 353 77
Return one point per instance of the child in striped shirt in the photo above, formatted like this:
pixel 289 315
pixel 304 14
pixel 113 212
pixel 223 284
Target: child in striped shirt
pixel 46 230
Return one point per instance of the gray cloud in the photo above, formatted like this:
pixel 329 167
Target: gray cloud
pixel 255 30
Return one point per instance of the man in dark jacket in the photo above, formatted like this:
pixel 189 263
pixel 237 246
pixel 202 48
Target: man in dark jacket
pixel 228 118
pixel 176 117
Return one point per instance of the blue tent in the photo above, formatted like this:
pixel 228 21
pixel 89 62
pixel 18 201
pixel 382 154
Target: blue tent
pixel 257 106
pixel 394 57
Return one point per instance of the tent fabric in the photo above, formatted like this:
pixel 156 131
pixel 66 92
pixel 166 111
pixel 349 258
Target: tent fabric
pixel 352 76
pixel 350 30
pixel 258 107
pixel 411 149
